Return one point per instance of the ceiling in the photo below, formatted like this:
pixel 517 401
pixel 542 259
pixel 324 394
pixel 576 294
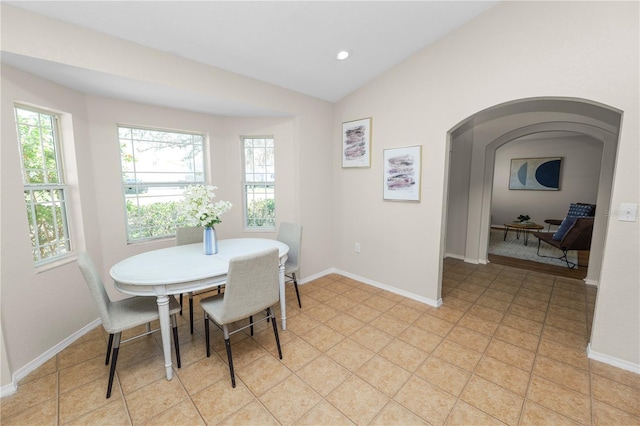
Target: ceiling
pixel 291 44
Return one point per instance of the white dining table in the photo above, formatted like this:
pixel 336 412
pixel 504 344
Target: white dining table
pixel 184 268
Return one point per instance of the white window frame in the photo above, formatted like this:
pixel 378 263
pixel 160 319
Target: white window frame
pixel 252 179
pixel 60 246
pixel 137 191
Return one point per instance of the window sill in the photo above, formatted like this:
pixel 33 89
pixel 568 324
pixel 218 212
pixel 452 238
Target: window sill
pixel 56 263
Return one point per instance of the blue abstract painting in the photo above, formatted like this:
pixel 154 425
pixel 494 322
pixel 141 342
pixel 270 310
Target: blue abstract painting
pixel 541 174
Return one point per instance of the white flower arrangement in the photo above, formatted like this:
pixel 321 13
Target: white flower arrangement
pixel 198 206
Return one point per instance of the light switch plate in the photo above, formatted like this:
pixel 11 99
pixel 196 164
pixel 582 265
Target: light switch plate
pixel 628 212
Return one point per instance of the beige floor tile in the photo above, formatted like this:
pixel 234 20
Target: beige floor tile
pixel 404 313
pixel 343 303
pixel 82 373
pixel 446 313
pixel 567 313
pixel 478 324
pixel 324 414
pixel 530 303
pixel 493 400
pixel 578 305
pixel 564 337
pixel 511 354
pixel 434 325
pixel 389 324
pixel 136 376
pixel 616 374
pixel 616 394
pixel 395 414
pixel 485 313
pixel 522 324
pixel 559 399
pixel 379 302
pixel 425 400
pixel 403 354
pixel 364 313
pixel 464 414
pixel 490 302
pixel 49 367
pixel 503 374
pixel 465 295
pixel 444 375
pixel 290 399
pixel 562 374
pixel 495 294
pixel 253 413
pixel 537 415
pixel 350 354
pixel 220 400
pixel 78 353
pixel 358 400
pixel 262 374
pixel 606 415
pixel 519 338
pixel 84 399
pixel 297 353
pixel 323 337
pixel 202 374
pixel 456 354
pixel 459 304
pixel 384 375
pixel 567 354
pixel 43 413
pixel 577 327
pixel 344 324
pixel 323 374
pixel 420 338
pixel 469 338
pixel 185 413
pixel 147 402
pixel 523 311
pixel 372 338
pixel 301 323
pixel 321 312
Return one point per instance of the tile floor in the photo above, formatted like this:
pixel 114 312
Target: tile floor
pixel 506 347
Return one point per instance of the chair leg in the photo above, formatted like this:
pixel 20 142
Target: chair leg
pixel 180 304
pixel 191 310
pixel 175 339
pixel 206 334
pixel 227 344
pixel 275 331
pixel 295 285
pixel 251 324
pixel 109 345
pixel 114 360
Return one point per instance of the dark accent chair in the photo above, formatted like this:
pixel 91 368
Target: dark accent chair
pixel 578 237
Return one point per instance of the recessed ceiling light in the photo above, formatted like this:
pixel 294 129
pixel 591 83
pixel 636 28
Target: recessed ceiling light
pixel 342 55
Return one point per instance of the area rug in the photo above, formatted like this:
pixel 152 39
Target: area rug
pixel 513 247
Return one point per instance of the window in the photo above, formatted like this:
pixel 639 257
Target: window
pixel 44 184
pixel 259 183
pixel 157 166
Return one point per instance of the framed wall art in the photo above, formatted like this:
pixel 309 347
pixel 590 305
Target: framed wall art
pixel 356 143
pixel 538 174
pixel 402 173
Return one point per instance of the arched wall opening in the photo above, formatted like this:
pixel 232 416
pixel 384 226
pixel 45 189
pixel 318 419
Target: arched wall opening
pixel 473 143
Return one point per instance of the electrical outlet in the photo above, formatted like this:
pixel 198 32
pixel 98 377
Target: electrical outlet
pixel 628 212
pixel 357 247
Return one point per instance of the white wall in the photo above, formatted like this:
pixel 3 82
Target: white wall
pixel 516 50
pixel 580 172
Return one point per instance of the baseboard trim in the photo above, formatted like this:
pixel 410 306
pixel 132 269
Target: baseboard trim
pixel 418 298
pixel 46 356
pixel 607 359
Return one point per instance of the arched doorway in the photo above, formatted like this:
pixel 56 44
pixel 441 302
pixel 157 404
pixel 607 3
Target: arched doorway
pixel 473 143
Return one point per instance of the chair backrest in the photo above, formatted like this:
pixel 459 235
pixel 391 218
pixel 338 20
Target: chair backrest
pixel 252 285
pixel 291 235
pixel 578 237
pixel 96 287
pixel 189 235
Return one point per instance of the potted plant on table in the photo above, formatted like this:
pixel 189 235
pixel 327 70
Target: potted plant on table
pixel 523 219
pixel 200 210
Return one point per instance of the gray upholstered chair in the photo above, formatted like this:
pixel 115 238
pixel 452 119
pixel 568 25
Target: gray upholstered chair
pixel 252 287
pixel 124 314
pixel 291 235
